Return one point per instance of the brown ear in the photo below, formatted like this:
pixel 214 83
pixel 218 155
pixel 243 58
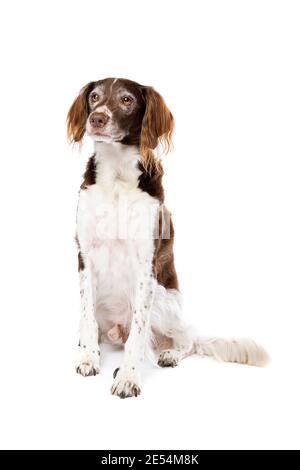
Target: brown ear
pixel 78 115
pixel 157 126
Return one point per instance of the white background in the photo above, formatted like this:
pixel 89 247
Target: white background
pixel 229 71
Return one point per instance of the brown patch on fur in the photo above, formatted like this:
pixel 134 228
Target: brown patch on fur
pixel 151 181
pixel 157 128
pixel 80 262
pixel 78 114
pixel 131 122
pixel 80 257
pixel 89 176
pixel 163 260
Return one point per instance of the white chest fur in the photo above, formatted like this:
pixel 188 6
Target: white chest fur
pixel 116 224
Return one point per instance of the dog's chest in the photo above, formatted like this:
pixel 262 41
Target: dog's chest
pixel 120 222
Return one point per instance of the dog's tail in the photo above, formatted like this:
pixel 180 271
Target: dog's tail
pixel 243 351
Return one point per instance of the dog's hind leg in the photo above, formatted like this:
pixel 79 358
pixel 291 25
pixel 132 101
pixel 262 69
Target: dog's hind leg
pixel 173 339
pixel 176 340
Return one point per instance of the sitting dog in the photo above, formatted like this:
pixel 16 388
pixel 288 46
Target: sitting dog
pixel 128 282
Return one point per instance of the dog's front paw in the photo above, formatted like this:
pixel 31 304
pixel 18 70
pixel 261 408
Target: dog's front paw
pixel 125 384
pixel 88 364
pixel 168 358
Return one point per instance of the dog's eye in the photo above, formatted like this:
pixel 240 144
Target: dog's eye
pixel 127 100
pixel 95 97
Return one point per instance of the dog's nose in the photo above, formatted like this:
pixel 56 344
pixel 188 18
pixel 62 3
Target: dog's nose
pixel 99 119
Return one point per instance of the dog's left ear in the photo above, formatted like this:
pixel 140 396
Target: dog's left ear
pixel 157 125
pixel 78 115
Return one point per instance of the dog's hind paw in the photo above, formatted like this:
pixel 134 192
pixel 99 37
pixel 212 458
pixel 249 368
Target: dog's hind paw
pixel 169 358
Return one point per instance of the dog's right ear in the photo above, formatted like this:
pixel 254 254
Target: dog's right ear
pixel 78 114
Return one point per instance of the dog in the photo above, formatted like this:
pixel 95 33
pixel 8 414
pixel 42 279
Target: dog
pixel 128 282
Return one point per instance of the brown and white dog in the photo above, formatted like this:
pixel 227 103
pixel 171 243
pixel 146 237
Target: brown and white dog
pixel 128 283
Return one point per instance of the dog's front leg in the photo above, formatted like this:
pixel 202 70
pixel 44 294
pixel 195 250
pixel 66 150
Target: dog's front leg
pixel 88 361
pixel 127 377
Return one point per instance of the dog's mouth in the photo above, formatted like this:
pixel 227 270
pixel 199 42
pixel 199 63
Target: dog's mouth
pixel 100 134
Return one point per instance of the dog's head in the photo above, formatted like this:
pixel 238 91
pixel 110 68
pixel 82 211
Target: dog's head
pixel 119 110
